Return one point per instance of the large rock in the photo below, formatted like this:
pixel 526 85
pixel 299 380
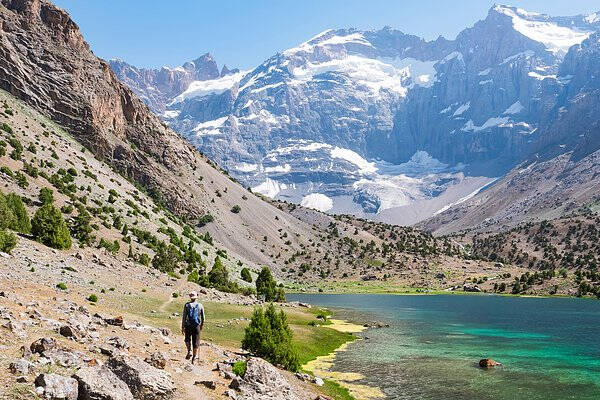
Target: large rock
pixel 43 344
pixel 21 367
pixel 145 381
pixel 263 381
pixel 100 383
pixel 57 387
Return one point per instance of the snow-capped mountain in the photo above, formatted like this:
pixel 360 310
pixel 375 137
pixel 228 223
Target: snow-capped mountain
pixel 383 124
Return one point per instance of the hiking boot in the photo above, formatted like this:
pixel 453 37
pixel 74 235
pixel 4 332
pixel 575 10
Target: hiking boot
pixel 188 356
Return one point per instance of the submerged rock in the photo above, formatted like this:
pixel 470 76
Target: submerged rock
pixel 488 363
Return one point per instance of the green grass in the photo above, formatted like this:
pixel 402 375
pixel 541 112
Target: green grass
pixel 311 341
pixel 335 390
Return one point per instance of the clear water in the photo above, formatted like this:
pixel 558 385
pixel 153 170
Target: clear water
pixel 549 347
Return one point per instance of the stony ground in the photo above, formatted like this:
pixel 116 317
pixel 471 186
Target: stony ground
pixel 110 349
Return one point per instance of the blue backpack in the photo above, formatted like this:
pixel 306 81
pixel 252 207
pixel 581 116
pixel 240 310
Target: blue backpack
pixel 191 314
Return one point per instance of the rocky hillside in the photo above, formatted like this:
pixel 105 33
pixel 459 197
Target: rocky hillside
pixel 388 126
pixel 566 247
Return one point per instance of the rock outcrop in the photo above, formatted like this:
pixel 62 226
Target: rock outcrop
pixel 100 383
pixel 262 381
pixel 145 381
pixel 57 387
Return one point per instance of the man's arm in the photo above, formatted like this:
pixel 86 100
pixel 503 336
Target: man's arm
pixel 183 320
pixel 201 316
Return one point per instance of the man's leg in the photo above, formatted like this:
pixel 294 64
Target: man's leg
pixel 195 342
pixel 188 343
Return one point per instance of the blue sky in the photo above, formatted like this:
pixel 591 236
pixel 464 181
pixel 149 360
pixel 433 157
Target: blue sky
pixel 243 33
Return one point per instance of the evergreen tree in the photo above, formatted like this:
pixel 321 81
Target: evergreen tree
pixel 80 226
pixel 218 275
pixel 22 223
pixel 166 258
pixel 245 275
pixel 49 227
pixel 46 196
pixel 266 285
pixel 269 336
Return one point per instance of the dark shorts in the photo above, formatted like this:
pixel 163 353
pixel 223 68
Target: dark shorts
pixel 192 334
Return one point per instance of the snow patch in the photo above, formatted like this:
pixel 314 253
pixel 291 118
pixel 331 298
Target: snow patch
pixel 270 188
pixel 485 72
pixel 364 166
pixel 557 39
pixel 317 201
pixel 246 167
pixel 279 168
pixel 213 86
pixel 462 109
pixel 491 122
pixel 515 108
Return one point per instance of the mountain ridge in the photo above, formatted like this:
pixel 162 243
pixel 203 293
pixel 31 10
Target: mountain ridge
pixel 340 116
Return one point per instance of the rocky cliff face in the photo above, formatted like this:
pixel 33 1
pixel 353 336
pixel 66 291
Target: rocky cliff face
pixel 156 87
pixel 387 125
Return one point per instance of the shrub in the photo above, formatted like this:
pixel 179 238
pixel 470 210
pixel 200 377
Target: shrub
pixel 269 336
pixel 239 368
pixel 175 295
pixel 111 247
pixel 218 275
pixel 80 226
pixel 46 196
pixel 236 209
pixel 205 219
pixel 245 275
pixel 49 227
pixel 8 241
pixel 93 298
pixel 166 258
pixel 61 286
pixel 266 285
pixel 21 223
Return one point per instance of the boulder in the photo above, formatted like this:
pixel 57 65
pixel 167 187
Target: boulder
pixel 263 381
pixel 488 363
pixel 43 344
pixel 207 383
pixel 70 332
pixel 471 288
pixel 100 383
pixel 145 381
pixel 57 387
pixel 21 367
pixel 157 360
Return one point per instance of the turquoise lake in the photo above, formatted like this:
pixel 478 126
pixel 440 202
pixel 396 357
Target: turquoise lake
pixel 549 347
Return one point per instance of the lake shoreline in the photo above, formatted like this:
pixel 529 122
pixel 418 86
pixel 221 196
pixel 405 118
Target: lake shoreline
pixel 322 365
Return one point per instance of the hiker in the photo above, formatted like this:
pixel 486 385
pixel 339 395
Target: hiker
pixel 191 325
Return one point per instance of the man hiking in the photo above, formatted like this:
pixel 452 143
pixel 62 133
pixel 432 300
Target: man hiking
pixel 191 325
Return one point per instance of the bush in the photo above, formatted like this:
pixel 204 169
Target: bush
pixel 245 274
pixel 93 298
pixel 113 247
pixel 269 336
pixel 21 223
pixel 49 227
pixel 8 241
pixel 46 196
pixel 7 217
pixel 61 286
pixel 218 275
pixel 80 226
pixel 266 285
pixel 239 368
pixel 205 219
pixel 166 258
pixel 236 209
